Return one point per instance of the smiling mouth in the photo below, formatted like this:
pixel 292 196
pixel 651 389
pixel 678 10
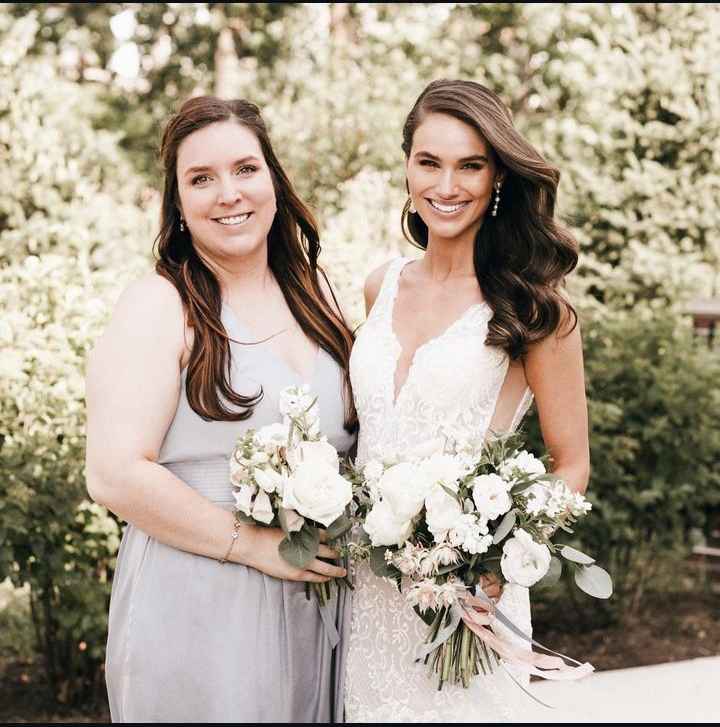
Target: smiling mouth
pixel 234 220
pixel 447 209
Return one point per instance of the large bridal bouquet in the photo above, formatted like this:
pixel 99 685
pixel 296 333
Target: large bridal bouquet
pixel 287 475
pixel 440 522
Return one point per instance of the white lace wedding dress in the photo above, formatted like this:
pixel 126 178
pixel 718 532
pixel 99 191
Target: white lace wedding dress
pixel 454 380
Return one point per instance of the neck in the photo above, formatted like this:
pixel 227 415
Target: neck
pixel 444 259
pixel 242 276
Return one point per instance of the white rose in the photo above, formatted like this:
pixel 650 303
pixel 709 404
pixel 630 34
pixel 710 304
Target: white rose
pixel 490 494
pixel 271 436
pixel 268 480
pixel 383 526
pixel 523 461
pixel 442 468
pixel 523 560
pixel 441 512
pixel 400 487
pixel 316 454
pixel 262 508
pixel 317 491
pixel 293 520
pixel 243 498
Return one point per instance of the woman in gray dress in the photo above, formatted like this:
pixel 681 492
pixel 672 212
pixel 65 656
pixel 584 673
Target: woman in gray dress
pixel 207 622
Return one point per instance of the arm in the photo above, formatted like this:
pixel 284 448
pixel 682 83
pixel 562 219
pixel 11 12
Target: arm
pixel 554 372
pixel 133 385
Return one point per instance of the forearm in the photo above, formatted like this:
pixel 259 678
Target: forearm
pixel 575 474
pixel 157 502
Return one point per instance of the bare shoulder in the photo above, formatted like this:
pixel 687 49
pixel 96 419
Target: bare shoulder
pixel 148 314
pixel 373 283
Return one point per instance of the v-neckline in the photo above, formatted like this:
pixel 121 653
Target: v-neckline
pixel 255 340
pixel 395 391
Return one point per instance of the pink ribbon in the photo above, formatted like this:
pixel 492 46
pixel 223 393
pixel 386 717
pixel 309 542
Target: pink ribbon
pixel 541 665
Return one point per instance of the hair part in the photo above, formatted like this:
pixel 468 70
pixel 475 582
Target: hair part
pixel 293 249
pixel 522 255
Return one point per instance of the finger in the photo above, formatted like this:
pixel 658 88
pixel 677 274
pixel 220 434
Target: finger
pixel 325 552
pixel 313 577
pixel 323 535
pixel 326 569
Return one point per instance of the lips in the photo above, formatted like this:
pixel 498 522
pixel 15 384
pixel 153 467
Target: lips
pixel 447 209
pixel 232 220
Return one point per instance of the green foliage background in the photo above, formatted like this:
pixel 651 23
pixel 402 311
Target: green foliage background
pixel 624 99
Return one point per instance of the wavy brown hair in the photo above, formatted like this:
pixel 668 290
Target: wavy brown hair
pixel 522 256
pixel 293 249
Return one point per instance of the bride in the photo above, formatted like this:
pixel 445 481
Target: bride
pixel 462 338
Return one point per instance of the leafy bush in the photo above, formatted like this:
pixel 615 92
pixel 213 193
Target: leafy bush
pixel 654 406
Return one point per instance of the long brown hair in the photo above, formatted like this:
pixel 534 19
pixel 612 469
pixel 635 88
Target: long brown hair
pixel 293 249
pixel 522 255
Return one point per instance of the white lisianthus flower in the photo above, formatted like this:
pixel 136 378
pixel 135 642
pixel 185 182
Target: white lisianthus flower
pixel 239 470
pixel 268 480
pixel 262 508
pixel 491 497
pixel 523 462
pixel 579 505
pixel 383 526
pixel 523 560
pixel 271 437
pixel 293 520
pixel 470 534
pixel 320 453
pixel 243 498
pixel 317 491
pixel 441 512
pixel 400 488
pixel 423 595
pixel 297 402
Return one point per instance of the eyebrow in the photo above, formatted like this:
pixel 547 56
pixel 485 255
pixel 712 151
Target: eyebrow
pixel 473 158
pixel 244 160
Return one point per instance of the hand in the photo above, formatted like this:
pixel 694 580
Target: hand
pixel 261 553
pixel 491 585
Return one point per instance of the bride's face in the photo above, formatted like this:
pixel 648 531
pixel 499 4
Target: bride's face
pixel 450 174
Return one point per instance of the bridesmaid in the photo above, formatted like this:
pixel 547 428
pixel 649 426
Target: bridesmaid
pixel 171 385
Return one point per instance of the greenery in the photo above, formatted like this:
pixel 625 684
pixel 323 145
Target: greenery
pixel 622 98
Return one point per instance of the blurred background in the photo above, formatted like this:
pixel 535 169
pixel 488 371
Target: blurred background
pixel 623 98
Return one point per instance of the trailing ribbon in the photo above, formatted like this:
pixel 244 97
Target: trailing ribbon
pixel 478 613
pixel 328 620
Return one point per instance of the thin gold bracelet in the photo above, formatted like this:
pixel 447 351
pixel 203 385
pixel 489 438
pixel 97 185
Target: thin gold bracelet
pixel 235 536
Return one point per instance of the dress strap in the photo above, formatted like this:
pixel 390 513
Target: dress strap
pixel 388 289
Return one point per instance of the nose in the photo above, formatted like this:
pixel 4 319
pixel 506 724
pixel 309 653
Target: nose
pixel 229 191
pixel 446 184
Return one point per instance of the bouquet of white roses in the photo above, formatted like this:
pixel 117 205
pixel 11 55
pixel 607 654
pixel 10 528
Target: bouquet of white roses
pixel 441 522
pixel 287 475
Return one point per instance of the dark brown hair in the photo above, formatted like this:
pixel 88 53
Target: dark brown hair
pixel 522 255
pixel 293 249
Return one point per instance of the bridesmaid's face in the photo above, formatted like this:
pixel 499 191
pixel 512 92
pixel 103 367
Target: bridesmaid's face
pixel 226 192
pixel 450 174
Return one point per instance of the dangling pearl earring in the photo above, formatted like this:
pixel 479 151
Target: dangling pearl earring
pixel 497 199
pixel 182 225
pixel 411 208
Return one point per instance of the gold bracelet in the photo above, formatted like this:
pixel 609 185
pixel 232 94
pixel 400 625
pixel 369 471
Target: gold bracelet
pixel 235 536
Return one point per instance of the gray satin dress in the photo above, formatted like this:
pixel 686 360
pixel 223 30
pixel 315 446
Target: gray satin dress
pixel 191 640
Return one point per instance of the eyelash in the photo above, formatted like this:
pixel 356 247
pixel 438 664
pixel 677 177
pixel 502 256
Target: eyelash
pixel 250 167
pixel 475 166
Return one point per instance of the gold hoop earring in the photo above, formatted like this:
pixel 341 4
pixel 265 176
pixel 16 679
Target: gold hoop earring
pixel 411 208
pixel 182 225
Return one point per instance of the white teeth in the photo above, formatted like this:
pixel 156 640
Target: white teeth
pixel 237 220
pixel 446 208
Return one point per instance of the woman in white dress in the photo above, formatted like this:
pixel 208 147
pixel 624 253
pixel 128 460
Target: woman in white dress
pixel 463 338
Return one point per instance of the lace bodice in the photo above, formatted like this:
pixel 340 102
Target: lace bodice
pixel 454 382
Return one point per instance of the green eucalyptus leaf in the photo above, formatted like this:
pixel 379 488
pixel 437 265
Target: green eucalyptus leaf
pixel 505 527
pixel 594 581
pixel 301 547
pixel 338 527
pixel 553 574
pixel 576 556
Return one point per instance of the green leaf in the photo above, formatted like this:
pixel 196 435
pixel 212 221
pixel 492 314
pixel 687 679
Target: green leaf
pixel 338 527
pixel 594 581
pixel 505 526
pixel 301 547
pixel 576 556
pixel 553 574
pixel 379 566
